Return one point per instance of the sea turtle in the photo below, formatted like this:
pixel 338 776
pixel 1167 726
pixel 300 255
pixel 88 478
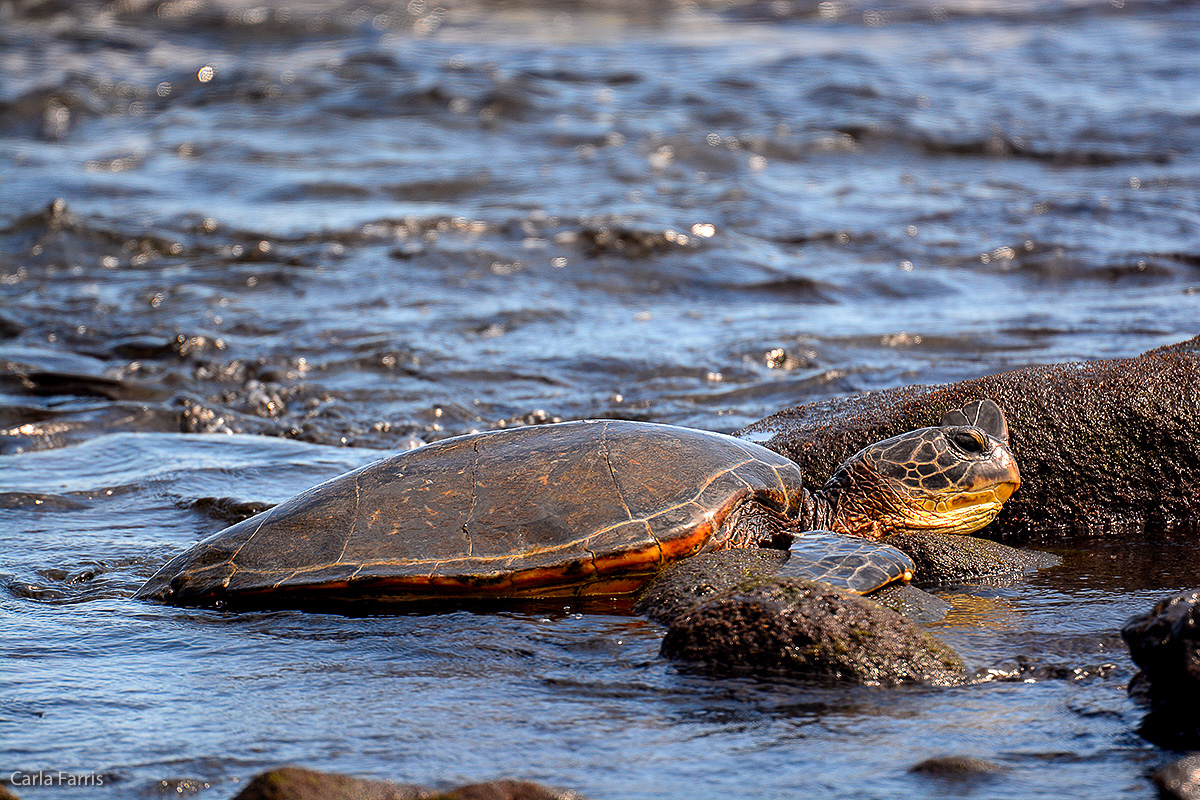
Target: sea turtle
pixel 592 508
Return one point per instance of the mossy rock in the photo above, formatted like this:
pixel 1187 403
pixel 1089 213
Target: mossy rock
pixel 950 559
pixel 686 583
pixel 808 630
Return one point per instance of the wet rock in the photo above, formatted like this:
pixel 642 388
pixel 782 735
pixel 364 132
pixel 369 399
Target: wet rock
pixel 947 559
pixel 1023 669
pixel 916 604
pixel 40 501
pixel 506 790
pixel 52 384
pixel 48 372
pixel 24 429
pixel 1180 780
pixel 685 584
pixel 956 773
pixel 10 328
pixel 1105 447
pixel 198 418
pixel 1165 644
pixel 266 399
pixel 956 767
pixel 801 629
pixel 615 239
pixel 229 510
pixel 295 783
pixel 685 587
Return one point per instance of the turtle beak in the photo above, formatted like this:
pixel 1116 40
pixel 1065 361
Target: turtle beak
pixel 1007 475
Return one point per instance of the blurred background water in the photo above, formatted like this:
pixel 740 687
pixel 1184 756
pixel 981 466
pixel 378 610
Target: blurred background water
pixel 337 229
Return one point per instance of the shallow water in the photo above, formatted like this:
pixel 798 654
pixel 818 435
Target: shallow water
pixel 378 225
pixel 142 693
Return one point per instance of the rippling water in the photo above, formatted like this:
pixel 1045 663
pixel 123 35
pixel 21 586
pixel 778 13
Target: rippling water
pixel 374 224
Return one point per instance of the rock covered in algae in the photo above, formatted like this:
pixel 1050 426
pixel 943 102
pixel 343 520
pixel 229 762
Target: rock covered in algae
pixel 685 584
pixel 811 630
pixel 943 559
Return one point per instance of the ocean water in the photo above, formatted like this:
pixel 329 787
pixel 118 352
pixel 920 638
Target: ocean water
pixel 247 246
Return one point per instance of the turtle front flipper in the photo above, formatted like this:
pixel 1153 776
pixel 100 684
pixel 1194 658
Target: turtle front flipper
pixel 852 563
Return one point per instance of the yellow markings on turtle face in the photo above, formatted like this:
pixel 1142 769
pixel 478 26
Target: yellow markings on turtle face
pixel 1005 490
pixel 995 495
pixel 963 512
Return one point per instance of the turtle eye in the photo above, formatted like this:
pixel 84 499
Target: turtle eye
pixel 968 440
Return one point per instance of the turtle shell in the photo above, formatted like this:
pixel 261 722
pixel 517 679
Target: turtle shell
pixel 575 508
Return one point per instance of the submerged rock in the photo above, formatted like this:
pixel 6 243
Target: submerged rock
pixel 916 604
pixel 1105 447
pixel 957 767
pixel 811 630
pixel 1165 644
pixel 506 790
pixel 296 783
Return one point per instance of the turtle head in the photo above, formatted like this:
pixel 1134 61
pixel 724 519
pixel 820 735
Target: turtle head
pixel 949 479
